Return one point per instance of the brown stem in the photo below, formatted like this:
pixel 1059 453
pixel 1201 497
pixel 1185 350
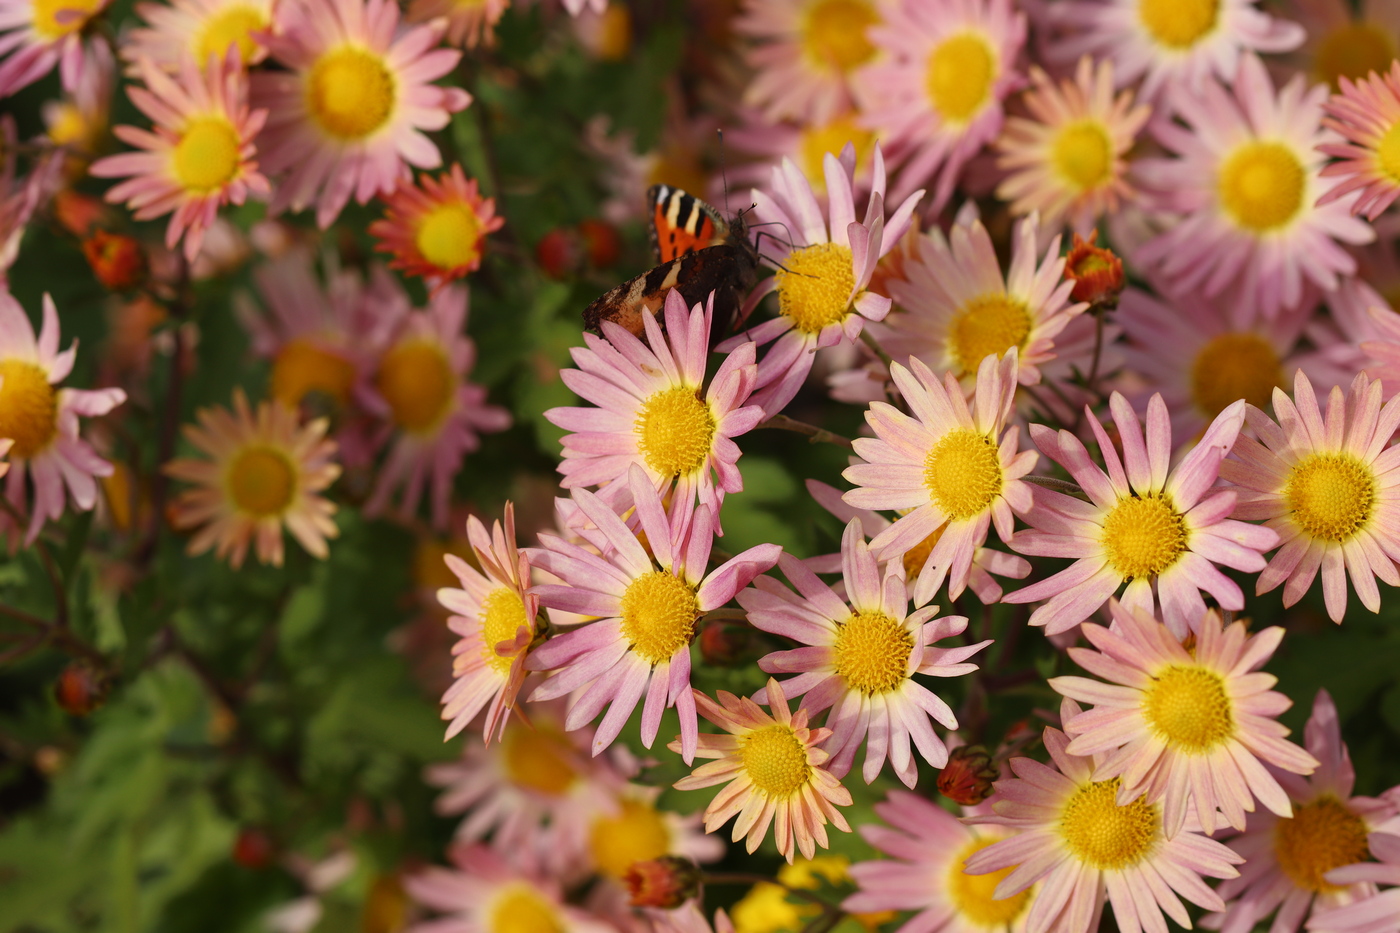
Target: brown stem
pixel 784 423
pixel 1057 485
pixel 874 345
pixel 28 618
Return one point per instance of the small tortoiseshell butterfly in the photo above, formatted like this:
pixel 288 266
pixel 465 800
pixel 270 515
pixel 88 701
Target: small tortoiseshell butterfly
pixel 698 253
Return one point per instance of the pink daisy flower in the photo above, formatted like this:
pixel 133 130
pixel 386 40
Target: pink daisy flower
pixel 348 115
pixel 1344 39
pixel 774 773
pixel 437 227
pixel 1325 485
pixel 938 94
pixel 496 618
pixel 805 143
pixel 1167 45
pixel 200 28
pixel 1247 180
pixel 469 24
pixel 1067 160
pixel 654 411
pixel 422 392
pixel 639 829
pixel 1379 913
pixel 861 658
pixel 200 156
pixel 1367 114
pixel 1084 846
pixel 1288 859
pixel 1188 727
pixel 36 35
pixel 647 600
pixel 927 847
pixel 953 469
pixel 822 284
pixel 42 420
pixel 803 54
pixel 1158 529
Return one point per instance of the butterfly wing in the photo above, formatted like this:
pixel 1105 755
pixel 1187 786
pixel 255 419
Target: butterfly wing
pixel 682 224
pixel 726 269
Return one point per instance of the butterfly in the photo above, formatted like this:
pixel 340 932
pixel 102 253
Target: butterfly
pixel 698 252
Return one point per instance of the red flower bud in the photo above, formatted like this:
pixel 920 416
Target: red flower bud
pixel 558 252
pixel 116 259
pixel 666 882
pixel 603 243
pixel 1097 273
pixel 81 688
pixel 253 848
pixel 722 645
pixel 968 776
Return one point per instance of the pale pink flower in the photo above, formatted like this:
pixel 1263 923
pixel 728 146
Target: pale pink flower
pixel 348 114
pixel 36 35
pixel 805 143
pixel 1379 913
pixel 647 601
pixel 1084 846
pixel 1287 860
pixel 1158 529
pixel 469 22
pixel 1367 114
pixel 775 774
pixel 199 28
pixel 42 419
pixel 199 156
pixel 1326 486
pixel 1189 728
pixel 1344 39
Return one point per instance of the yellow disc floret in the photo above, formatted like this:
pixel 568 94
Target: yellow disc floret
pixel 833 33
pixel 775 760
pixel 1354 50
pixel 636 833
pixel 963 473
pixel 54 19
pixel 206 158
pixel 1321 836
pixel 872 652
pixel 1179 24
pixel 539 758
pixel 1331 496
pixel 675 431
pixel 302 366
pixel 502 614
pixel 350 92
pixel 262 481
pixel 449 236
pixel 658 615
pixel 1388 153
pixel 1261 185
pixel 1083 154
pixel 988 325
pixel 233 25
pixel 815 289
pixel 521 908
pixel 1143 535
pixel 816 141
pixel 416 380
pixel 960 75
pixel 28 408
pixel 1189 708
pixel 1230 367
pixel 1103 835
pixel 974 895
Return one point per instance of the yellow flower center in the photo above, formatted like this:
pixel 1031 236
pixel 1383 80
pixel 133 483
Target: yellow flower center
pixel 1231 367
pixel 1261 185
pixel 1083 154
pixel 963 473
pixel 775 760
pixel 449 237
pixel 815 289
pixel 1388 153
pixel 988 325
pixel 816 141
pixel 658 615
pixel 1331 495
pixel 1143 535
pixel 1102 834
pixel 675 431
pixel 766 909
pixel 28 408
pixel 872 652
pixel 206 158
pixel 637 833
pixel 1179 24
pixel 914 557
pixel 1322 835
pixel 973 895
pixel 262 481
pixel 523 909
pixel 1353 51
pixel 416 380
pixel 233 25
pixel 350 92
pixel 834 33
pixel 54 19
pixel 302 367
pixel 960 74
pixel 1189 708
pixel 538 758
pixel 502 614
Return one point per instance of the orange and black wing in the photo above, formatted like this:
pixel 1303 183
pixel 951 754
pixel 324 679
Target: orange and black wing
pixel 682 224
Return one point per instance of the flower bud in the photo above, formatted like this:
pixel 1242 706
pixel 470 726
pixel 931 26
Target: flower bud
pixel 253 848
pixel 81 688
pixel 602 241
pixel 968 776
pixel 116 259
pixel 723 645
pixel 666 882
pixel 1097 273
pixel 559 253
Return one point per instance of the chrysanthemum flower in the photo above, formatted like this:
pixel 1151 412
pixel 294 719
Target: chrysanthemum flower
pixel 927 846
pixel 1326 486
pixel 1067 159
pixel 496 618
pixel 803 54
pixel 422 392
pixel 1186 727
pixel 938 95
pixel 1379 913
pixel 200 28
pixel 1147 525
pixel 436 228
pixel 1082 844
pixel 956 467
pixel 807 144
pixel 1344 39
pixel 647 600
pixel 469 22
pixel 1247 182
pixel 774 771
pixel 265 472
pixel 822 280
pixel 42 420
pixel 348 114
pixel 956 308
pixel 36 35
pixel 201 155
pixel 861 658
pixel 1367 113
pixel 1287 859
pixel 651 412
pixel 637 829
